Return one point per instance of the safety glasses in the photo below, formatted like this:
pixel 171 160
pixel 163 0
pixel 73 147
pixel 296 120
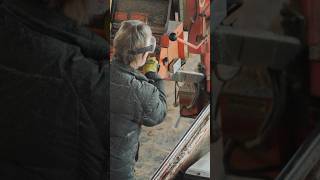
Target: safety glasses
pixel 151 48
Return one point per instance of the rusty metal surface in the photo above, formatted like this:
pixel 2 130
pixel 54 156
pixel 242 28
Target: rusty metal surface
pixel 188 150
pixel 156 10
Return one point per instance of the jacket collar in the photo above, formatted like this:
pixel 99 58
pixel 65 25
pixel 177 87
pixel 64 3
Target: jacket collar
pixel 52 22
pixel 129 70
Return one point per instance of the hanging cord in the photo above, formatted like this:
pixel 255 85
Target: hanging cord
pixel 279 87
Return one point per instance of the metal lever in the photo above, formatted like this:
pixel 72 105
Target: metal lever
pixel 173 37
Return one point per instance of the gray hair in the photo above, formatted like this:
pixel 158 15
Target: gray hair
pixel 132 34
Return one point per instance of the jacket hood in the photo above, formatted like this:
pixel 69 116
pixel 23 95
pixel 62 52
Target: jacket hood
pixel 53 22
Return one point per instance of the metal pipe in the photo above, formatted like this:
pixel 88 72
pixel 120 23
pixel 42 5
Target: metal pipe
pixel 192 45
pixel 203 119
pixel 304 160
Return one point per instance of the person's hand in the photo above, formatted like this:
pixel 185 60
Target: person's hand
pixel 151 65
pixel 150 70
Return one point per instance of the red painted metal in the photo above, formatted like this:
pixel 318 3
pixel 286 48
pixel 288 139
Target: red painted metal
pixel 199 12
pixel 139 16
pixel 310 9
pixel 315 78
pixel 121 16
pixel 170 50
pixel 198 37
pixel 197 22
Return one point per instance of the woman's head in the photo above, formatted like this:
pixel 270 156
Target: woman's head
pixel 133 42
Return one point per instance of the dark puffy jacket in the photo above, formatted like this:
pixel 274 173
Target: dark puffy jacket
pixel 134 101
pixel 53 96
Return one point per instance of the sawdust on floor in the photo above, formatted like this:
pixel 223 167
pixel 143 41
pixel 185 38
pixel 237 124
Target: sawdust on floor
pixel 157 142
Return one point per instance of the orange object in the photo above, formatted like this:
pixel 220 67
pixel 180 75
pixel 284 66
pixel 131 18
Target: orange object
pixel 139 16
pixel 170 50
pixel 164 41
pixel 121 16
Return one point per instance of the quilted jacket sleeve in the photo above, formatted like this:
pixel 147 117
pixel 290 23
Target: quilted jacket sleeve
pixel 153 101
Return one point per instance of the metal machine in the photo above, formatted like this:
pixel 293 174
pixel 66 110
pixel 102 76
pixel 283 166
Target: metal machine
pixel 285 145
pixel 181 27
pixel 235 47
pixel 169 20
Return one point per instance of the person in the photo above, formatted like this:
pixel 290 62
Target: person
pixel 53 91
pixel 135 99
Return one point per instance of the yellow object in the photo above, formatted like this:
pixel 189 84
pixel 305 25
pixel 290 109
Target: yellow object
pixel 151 65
